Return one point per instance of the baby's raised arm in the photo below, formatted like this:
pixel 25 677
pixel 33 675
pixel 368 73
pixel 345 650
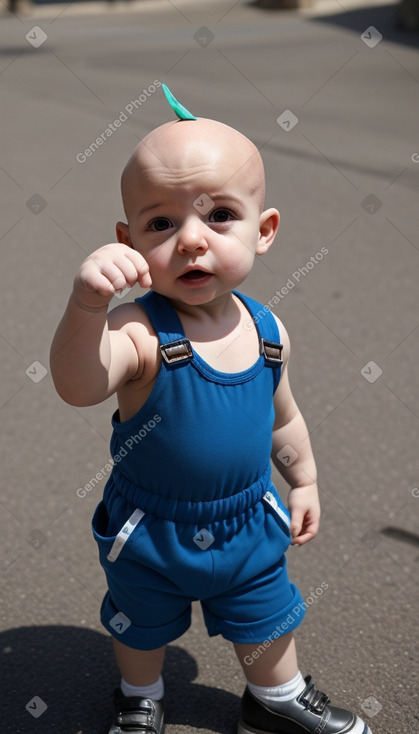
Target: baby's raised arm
pixel 89 361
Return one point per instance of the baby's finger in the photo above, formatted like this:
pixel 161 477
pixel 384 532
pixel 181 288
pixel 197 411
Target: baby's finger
pixel 301 539
pixel 128 270
pixel 118 275
pixel 142 271
pixel 145 279
pixel 93 280
pixel 307 531
pixel 296 524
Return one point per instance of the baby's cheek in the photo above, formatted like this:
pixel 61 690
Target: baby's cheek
pixel 158 261
pixel 241 260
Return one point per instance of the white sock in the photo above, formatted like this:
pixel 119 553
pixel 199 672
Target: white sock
pixel 155 691
pixel 277 694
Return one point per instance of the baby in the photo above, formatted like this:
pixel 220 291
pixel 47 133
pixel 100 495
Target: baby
pixel 204 405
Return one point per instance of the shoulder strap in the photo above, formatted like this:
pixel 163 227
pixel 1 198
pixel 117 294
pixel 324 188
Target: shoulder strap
pixel 263 317
pixel 163 317
pixel 174 346
pixel 268 331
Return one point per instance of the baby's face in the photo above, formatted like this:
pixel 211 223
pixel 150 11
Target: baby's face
pixel 193 195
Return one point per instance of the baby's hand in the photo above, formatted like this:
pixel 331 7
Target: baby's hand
pixel 304 506
pixel 107 271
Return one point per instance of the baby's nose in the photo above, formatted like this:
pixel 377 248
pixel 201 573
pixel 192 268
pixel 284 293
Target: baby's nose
pixel 191 236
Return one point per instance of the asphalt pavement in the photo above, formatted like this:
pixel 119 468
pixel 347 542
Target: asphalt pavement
pixel 330 96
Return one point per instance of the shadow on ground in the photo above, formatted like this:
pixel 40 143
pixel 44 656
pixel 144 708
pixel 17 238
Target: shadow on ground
pixel 62 679
pixel 389 20
pixel 386 19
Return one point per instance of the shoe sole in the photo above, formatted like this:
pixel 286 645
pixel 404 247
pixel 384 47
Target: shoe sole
pixel 246 729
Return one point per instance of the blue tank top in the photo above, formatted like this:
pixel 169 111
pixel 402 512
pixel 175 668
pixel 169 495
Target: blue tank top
pixel 202 435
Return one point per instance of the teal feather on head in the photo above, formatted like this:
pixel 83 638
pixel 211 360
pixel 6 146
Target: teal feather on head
pixel 181 111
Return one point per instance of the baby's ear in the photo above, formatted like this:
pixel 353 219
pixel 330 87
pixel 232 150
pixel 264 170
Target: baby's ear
pixel 122 233
pixel 268 227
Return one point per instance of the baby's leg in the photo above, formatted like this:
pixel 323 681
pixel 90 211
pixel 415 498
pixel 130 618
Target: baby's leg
pixel 271 664
pixel 139 667
pixel 278 699
pixel 139 702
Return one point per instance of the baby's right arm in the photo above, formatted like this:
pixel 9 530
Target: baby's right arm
pixel 89 362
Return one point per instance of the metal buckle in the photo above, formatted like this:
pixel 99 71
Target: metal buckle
pixel 177 351
pixel 272 351
pixel 315 701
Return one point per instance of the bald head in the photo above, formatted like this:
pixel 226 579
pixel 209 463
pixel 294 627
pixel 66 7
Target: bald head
pixel 182 151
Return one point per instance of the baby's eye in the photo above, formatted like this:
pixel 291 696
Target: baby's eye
pixel 160 224
pixel 221 215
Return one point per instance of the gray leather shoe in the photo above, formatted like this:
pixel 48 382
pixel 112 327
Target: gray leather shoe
pixel 309 713
pixel 137 715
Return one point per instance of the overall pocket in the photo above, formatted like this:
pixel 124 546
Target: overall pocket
pixel 279 511
pixel 110 546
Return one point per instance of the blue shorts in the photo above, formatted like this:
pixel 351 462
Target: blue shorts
pixel 228 554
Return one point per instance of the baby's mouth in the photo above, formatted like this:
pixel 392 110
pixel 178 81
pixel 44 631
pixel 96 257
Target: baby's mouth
pixel 195 275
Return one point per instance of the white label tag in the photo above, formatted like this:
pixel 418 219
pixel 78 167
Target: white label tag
pixel 124 534
pixel 273 502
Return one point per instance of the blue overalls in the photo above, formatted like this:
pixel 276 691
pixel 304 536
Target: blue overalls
pixel 190 511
